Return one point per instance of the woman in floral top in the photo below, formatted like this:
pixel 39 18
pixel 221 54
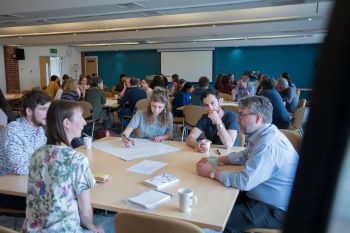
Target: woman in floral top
pixel 60 178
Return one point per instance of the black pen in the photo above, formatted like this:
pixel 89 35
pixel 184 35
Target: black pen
pixel 129 139
pixel 217 150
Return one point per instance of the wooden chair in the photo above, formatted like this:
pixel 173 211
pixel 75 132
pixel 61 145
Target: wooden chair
pixel 230 108
pixel 144 223
pixel 142 104
pixel 241 138
pixel 7 230
pixel 263 230
pixel 302 103
pixel 176 120
pixel 297 120
pixel 226 97
pixel 294 138
pixel 109 94
pixel 87 114
pixel 192 114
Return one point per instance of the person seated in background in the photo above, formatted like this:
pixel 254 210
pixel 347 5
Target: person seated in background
pixel 270 163
pixel 232 81
pixel 280 116
pixel 60 178
pixel 157 81
pixel 155 122
pixel 6 115
pixel 226 86
pixel 146 88
pixel 196 98
pixel 65 78
pixel 22 137
pixel 182 98
pixel 288 94
pixel 120 86
pixel 243 89
pixel 97 98
pixel 128 101
pixel 174 84
pixel 71 90
pixel 218 83
pixel 219 126
pixel 126 86
pixel 83 86
pixel 53 86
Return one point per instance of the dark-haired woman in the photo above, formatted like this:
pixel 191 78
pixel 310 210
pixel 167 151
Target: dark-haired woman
pixel 60 179
pixel 182 98
pixel 155 122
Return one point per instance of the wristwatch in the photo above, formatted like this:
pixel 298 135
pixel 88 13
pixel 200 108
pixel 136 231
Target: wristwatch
pixel 220 126
pixel 212 174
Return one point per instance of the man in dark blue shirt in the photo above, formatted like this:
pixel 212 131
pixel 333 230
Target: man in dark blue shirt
pixel 219 126
pixel 129 99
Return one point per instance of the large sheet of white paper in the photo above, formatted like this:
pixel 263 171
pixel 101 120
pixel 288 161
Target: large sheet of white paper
pixel 146 167
pixel 143 148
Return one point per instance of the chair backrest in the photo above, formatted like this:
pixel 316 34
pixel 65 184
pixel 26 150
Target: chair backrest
pixel 109 94
pixel 298 117
pixel 302 103
pixel 143 223
pixel 142 104
pixel 298 91
pixel 7 230
pixel 241 139
pixel 87 109
pixel 230 108
pixel 225 97
pixel 192 114
pixel 295 139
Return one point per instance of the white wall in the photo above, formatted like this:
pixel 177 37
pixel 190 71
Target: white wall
pixel 2 70
pixel 29 69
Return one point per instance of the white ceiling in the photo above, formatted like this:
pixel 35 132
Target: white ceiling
pixel 162 24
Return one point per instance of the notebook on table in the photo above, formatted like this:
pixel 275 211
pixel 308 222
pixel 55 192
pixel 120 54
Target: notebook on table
pixel 162 180
pixel 150 199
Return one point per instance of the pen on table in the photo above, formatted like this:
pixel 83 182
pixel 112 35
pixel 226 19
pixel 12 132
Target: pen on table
pixel 218 151
pixel 129 139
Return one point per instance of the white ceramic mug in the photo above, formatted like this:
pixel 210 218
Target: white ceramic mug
pixel 88 142
pixel 186 199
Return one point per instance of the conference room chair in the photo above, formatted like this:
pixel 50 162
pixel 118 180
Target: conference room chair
pixel 230 108
pixel 226 97
pixel 297 120
pixel 263 230
pixel 298 92
pixel 87 114
pixel 144 223
pixel 294 138
pixel 7 230
pixel 109 94
pixel 302 103
pixel 176 120
pixel 142 104
pixel 192 114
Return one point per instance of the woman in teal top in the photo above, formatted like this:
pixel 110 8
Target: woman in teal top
pixel 155 122
pixel 60 179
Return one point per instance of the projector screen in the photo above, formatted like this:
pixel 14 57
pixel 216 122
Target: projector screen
pixel 189 65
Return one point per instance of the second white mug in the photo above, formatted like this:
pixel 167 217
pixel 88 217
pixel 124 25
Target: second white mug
pixel 186 199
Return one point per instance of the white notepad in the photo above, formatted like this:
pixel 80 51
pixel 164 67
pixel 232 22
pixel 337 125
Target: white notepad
pixel 162 180
pixel 150 198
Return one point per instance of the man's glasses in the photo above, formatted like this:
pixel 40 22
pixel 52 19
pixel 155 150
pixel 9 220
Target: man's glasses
pixel 241 115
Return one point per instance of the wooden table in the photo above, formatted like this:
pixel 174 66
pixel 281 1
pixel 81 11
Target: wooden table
pixel 214 200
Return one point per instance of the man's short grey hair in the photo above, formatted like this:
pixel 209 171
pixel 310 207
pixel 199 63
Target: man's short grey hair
pixel 258 104
pixel 283 83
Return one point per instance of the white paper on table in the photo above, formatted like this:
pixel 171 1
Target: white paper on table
pixel 143 148
pixel 146 167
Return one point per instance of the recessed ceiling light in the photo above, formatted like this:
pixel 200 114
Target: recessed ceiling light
pixel 74 34
pixel 136 30
pixel 20 37
pixel 309 19
pixel 213 25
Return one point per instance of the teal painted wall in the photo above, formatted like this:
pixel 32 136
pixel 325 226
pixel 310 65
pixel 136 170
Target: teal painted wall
pixel 133 63
pixel 298 60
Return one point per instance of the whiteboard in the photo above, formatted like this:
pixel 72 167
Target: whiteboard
pixel 189 65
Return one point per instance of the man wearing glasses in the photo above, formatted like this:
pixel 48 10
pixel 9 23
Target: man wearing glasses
pixel 270 164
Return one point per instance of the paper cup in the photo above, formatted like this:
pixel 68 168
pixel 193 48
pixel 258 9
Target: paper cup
pixel 207 144
pixel 88 142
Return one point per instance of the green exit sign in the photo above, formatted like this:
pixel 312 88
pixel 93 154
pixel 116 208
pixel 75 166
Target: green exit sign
pixel 53 51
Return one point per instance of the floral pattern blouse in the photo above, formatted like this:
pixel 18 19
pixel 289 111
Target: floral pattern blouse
pixel 57 175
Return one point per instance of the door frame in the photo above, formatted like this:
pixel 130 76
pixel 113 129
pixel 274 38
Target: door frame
pixel 87 57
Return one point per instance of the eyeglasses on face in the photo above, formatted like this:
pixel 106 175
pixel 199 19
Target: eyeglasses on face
pixel 241 115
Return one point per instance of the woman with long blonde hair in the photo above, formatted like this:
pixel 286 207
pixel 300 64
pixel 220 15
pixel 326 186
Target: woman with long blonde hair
pixel 155 122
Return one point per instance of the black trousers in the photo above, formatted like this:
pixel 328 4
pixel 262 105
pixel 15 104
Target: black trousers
pixel 249 213
pixel 12 202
